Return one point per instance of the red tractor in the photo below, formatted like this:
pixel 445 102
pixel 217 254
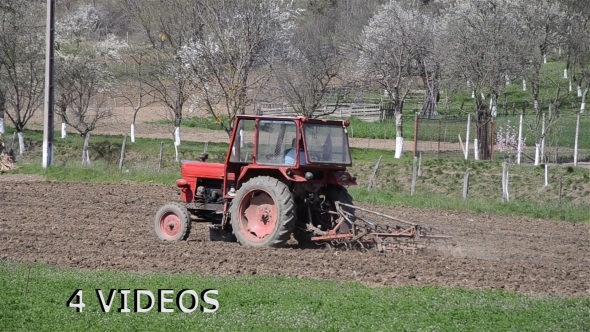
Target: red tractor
pixel 281 176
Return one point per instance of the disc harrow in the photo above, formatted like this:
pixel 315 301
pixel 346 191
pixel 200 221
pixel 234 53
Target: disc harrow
pixel 354 229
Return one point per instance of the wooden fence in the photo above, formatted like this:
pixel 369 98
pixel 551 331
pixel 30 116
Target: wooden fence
pixel 370 112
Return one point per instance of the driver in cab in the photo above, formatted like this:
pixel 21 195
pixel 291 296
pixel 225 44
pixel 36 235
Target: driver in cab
pixel 291 153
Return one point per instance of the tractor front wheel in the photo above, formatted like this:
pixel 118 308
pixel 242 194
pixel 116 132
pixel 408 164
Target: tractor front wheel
pixel 263 213
pixel 172 222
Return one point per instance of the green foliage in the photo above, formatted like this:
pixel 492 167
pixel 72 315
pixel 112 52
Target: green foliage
pixel 35 296
pixel 206 123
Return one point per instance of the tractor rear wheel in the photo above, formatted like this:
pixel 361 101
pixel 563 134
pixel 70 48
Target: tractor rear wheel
pixel 172 222
pixel 263 213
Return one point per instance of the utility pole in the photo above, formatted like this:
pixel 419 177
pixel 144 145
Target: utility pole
pixel 49 97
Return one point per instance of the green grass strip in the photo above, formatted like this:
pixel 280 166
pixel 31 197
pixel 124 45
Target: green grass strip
pixel 37 302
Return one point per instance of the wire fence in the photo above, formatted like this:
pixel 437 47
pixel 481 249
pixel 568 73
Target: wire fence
pixel 543 138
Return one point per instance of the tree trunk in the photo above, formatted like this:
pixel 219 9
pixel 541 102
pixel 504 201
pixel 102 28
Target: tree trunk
pixel 2 109
pixel 494 106
pixel 177 121
pixel 133 124
pixel 21 143
pixel 483 120
pixel 85 153
pixel 431 95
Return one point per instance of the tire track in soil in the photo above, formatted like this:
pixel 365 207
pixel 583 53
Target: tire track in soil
pixel 110 226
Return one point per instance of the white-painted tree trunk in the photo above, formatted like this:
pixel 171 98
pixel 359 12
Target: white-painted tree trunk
pixel 523 85
pixel 472 94
pixel 64 132
pixel 21 143
pixel 176 136
pixel 467 136
pixel 537 153
pixel 570 86
pixel 579 91
pixel 544 58
pixel 399 139
pixel 536 105
pixel 2 127
pixel 565 73
pixel 132 132
pixel 176 142
pixel 476 149
pixel 519 143
pixel 507 79
pixel 399 146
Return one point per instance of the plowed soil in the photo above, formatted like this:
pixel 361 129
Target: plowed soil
pixel 93 226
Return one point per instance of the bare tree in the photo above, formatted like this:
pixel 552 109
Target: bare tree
pixel 21 60
pixel 167 26
pixel 483 39
pixel 392 48
pixel 541 23
pixel 576 36
pixel 134 89
pixel 84 82
pixel 227 55
pixel 308 75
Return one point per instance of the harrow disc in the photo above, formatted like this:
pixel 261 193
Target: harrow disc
pixel 371 229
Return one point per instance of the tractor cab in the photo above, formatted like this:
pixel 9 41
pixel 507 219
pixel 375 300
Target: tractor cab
pixel 295 149
pixel 293 142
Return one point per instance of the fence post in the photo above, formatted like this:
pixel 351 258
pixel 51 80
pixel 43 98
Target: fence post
pixel 492 138
pixel 122 160
pixel 542 155
pixel 519 143
pixel 161 155
pixel 439 132
pixel 546 179
pixel 415 134
pixel 466 184
pixel 576 140
pixel 374 173
pixel 467 136
pixel 505 196
pixel 414 176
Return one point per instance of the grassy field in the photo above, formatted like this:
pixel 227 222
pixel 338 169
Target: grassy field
pixel 34 298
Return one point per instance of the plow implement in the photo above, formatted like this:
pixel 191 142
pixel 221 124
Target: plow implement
pixel 357 227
